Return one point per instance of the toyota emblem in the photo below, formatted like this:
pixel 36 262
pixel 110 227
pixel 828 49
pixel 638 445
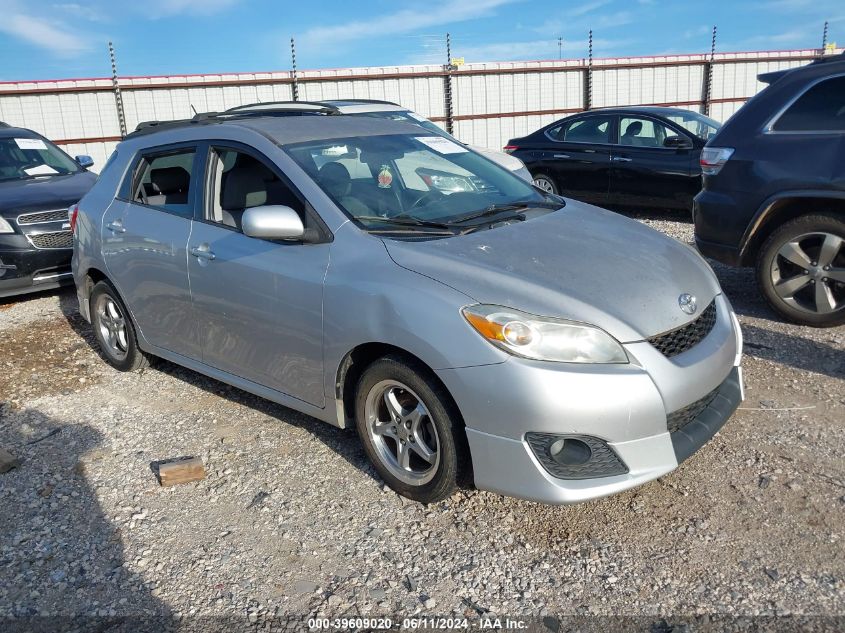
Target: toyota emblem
pixel 687 303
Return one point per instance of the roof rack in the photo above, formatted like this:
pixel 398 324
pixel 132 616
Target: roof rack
pixel 4 124
pixel 279 107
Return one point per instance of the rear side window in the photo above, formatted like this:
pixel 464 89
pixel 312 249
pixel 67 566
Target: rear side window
pixel 594 129
pixel 820 109
pixel 163 180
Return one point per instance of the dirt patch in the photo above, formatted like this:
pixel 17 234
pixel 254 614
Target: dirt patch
pixel 45 358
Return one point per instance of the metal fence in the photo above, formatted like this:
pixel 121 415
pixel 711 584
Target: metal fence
pixel 490 102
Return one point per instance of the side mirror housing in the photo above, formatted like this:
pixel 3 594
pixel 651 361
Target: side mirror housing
pixel 677 142
pixel 84 161
pixel 272 222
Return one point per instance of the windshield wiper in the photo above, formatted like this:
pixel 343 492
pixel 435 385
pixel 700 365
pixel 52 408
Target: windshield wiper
pixel 404 220
pixel 495 209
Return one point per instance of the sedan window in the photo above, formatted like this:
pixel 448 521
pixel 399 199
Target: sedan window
pixel 639 132
pixel 593 129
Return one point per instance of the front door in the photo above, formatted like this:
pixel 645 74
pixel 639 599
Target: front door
pixel 258 303
pixel 648 174
pixel 145 236
pixel 577 157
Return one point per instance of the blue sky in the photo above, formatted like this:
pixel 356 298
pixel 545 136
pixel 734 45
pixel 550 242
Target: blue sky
pixel 45 39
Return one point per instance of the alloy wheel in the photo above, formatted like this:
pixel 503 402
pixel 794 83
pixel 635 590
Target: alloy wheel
pixel 112 325
pixel 402 431
pixel 808 273
pixel 545 184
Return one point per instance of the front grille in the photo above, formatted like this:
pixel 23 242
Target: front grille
pixel 686 337
pixel 56 239
pixel 59 215
pixel 677 420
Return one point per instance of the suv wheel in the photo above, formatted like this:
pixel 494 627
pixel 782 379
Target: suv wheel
pixel 411 430
pixel 114 329
pixel 545 182
pixel 801 270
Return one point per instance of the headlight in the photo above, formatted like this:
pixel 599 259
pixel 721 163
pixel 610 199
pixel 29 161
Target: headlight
pixel 543 338
pixel 5 227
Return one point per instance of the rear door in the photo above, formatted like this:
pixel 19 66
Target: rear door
pixel 648 174
pixel 145 235
pixel 259 303
pixel 577 157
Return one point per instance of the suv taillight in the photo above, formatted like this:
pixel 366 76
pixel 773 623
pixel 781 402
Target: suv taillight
pixel 72 212
pixel 713 159
pixel 510 148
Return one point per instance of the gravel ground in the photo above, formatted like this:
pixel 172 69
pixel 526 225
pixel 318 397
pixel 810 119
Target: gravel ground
pixel 290 519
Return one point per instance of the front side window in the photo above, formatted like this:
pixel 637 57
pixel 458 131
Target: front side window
pixel 379 180
pixel 637 132
pixel 240 181
pixel 163 180
pixel 820 109
pixel 23 158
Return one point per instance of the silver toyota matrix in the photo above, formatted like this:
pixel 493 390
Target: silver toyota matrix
pixel 370 272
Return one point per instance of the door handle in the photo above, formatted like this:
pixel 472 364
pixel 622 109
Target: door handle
pixel 116 227
pixel 562 156
pixel 202 253
pixel 621 159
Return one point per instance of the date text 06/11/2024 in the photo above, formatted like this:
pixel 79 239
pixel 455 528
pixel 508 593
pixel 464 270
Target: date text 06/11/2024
pixel 416 623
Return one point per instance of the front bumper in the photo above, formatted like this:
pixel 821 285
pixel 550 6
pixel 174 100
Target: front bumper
pixel 24 268
pixel 627 407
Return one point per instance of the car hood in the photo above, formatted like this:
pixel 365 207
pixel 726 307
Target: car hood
pixel 507 161
pixel 580 263
pixel 34 194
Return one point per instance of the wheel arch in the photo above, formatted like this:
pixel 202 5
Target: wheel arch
pixel 356 361
pixel 782 208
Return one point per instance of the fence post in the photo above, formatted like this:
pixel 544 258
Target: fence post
pixel 707 84
pixel 447 85
pixel 293 66
pixel 824 40
pixel 588 74
pixel 118 99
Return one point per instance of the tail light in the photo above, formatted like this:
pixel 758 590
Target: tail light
pixel 72 213
pixel 713 159
pixel 510 148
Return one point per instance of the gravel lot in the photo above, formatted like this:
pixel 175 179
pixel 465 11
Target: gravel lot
pixel 291 520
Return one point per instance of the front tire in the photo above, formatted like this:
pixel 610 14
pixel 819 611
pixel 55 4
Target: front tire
pixel 545 183
pixel 114 330
pixel 411 430
pixel 801 270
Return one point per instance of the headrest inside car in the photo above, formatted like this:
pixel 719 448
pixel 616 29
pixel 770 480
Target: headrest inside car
pixel 243 187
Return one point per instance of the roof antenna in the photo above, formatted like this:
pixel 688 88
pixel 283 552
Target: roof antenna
pixel 194 109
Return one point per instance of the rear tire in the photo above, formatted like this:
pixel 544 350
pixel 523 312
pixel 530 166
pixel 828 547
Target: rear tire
pixel 801 270
pixel 411 430
pixel 545 183
pixel 114 330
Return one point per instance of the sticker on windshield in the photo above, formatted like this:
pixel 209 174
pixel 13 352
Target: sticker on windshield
pixel 442 145
pixel 40 170
pixel 31 143
pixel 385 177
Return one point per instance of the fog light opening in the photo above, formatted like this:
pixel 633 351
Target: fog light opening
pixel 569 451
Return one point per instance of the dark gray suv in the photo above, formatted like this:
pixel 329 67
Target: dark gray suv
pixel 774 192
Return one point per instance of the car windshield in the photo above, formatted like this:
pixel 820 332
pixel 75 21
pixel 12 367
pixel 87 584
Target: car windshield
pixel 416 182
pixel 702 126
pixel 33 158
pixel 406 116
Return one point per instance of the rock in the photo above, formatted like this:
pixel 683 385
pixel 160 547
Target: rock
pixel 429 603
pixel 772 573
pixel 8 461
pixel 305 586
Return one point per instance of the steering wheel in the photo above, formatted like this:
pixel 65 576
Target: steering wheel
pixel 424 196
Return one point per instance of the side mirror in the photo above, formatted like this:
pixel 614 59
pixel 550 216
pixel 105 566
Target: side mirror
pixel 84 161
pixel 677 142
pixel 272 222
